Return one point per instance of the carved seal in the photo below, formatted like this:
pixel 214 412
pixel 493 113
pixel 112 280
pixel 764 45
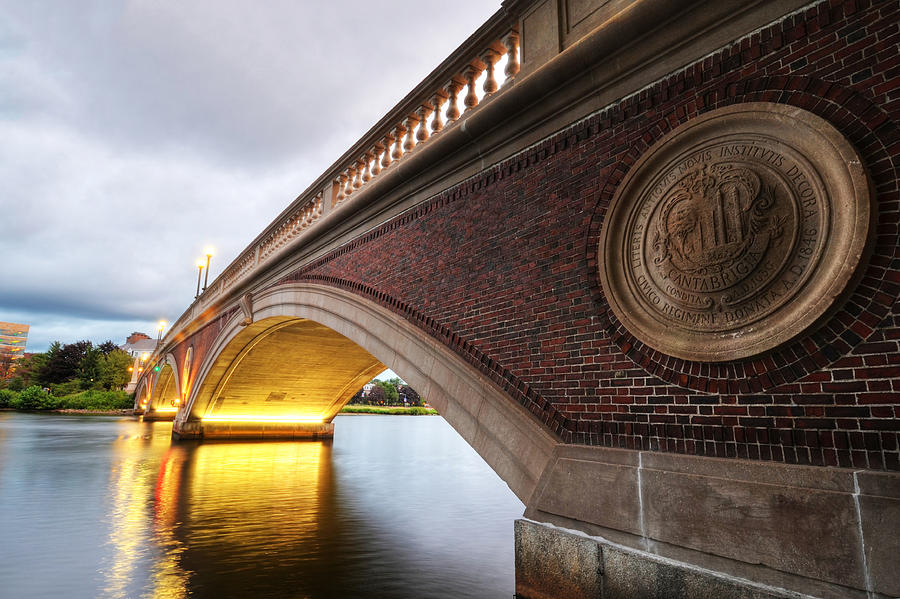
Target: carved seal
pixel 735 233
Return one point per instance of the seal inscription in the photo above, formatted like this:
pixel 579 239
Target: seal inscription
pixel 735 232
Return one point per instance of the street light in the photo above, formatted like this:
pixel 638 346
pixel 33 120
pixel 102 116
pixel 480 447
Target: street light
pixel 199 270
pixel 160 327
pixel 209 253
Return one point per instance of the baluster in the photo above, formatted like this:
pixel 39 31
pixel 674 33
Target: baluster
pixel 397 133
pixel 357 180
pixel 471 74
pixel 410 123
pixel 341 181
pixel 351 176
pixel 365 161
pixel 436 101
pixel 489 57
pixel 423 111
pixel 511 41
pixel 386 159
pixel 376 163
pixel 452 88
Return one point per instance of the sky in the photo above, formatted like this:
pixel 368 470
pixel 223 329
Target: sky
pixel 135 133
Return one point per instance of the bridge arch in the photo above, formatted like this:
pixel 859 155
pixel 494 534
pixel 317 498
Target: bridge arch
pixel 165 394
pixel 369 338
pixel 142 395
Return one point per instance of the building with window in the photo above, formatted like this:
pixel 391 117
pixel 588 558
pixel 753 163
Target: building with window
pixel 13 337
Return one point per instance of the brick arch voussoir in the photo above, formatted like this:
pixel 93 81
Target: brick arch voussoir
pixel 871 131
pixel 510 439
pixel 516 388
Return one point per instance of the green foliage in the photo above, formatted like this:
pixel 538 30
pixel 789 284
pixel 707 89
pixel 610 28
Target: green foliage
pixel 34 398
pixel 67 388
pixel 29 369
pixel 392 411
pixel 392 397
pixel 96 400
pixel 63 362
pixel 7 397
pixel 412 396
pixel 89 368
pixel 16 383
pixel 113 369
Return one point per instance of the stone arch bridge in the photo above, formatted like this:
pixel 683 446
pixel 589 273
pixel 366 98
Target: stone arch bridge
pixel 643 256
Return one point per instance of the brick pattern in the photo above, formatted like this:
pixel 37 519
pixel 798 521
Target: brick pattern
pixel 503 267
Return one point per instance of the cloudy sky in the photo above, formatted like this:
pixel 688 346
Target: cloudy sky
pixel 135 132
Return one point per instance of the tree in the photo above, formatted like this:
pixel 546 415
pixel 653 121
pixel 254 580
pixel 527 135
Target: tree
pixel 107 347
pixel 412 397
pixel 6 366
pixel 113 369
pixel 29 368
pixel 89 368
pixel 63 362
pixel 357 398
pixel 392 397
pixel 377 396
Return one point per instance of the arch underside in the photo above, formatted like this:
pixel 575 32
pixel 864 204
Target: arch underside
pixel 284 369
pixel 165 396
pixel 310 347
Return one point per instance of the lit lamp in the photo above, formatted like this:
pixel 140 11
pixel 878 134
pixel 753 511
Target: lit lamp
pixel 160 327
pixel 199 272
pixel 209 254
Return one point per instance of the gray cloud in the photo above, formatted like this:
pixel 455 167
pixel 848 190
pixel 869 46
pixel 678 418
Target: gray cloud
pixel 134 133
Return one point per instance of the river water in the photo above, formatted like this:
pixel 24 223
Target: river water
pixel 394 506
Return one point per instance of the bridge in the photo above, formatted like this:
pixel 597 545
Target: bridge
pixel 643 256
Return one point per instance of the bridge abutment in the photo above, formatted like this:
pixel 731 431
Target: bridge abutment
pixel 618 523
pixel 249 430
pixel 157 416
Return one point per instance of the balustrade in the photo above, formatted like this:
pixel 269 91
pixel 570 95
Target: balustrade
pixel 399 136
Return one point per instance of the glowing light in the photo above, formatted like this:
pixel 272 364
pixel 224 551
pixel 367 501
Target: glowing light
pixel 144 356
pixel 256 418
pixel 162 324
pixel 208 251
pixel 166 409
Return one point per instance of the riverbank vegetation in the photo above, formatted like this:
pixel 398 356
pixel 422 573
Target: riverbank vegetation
pixel 390 410
pixel 66 369
pixel 392 392
pixel 38 398
pixel 72 376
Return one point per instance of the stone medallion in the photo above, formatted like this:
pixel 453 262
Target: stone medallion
pixel 735 233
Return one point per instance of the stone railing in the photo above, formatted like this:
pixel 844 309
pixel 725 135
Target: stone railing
pixel 485 64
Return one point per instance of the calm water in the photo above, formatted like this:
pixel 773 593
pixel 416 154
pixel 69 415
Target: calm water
pixel 394 506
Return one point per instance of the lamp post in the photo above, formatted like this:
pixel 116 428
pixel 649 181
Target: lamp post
pixel 209 254
pixel 160 327
pixel 199 271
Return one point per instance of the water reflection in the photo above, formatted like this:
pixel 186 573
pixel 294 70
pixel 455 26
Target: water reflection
pixel 394 507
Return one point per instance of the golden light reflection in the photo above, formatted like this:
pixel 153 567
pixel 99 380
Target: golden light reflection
pixel 132 480
pixel 257 499
pixel 170 579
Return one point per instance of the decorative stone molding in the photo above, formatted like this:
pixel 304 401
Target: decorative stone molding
pixel 246 304
pixel 736 232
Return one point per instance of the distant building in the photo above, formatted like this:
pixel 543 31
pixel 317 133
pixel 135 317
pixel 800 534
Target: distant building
pixel 139 346
pixel 12 346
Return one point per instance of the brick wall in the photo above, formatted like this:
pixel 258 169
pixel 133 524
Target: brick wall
pixel 503 268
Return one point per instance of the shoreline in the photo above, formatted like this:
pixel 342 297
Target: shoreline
pixel 349 410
